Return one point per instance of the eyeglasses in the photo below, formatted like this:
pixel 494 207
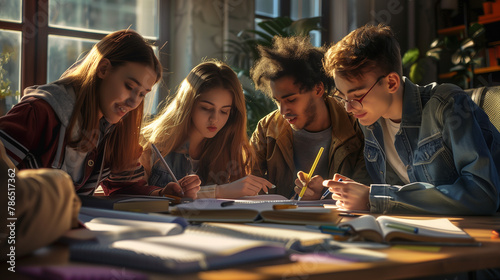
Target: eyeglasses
pixel 356 103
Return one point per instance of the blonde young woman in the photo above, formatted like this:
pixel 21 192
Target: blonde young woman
pixel 88 122
pixel 202 136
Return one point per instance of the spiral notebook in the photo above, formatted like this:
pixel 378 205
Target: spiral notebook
pixel 247 211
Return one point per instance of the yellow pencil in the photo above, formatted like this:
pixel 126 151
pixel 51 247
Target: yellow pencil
pixel 309 175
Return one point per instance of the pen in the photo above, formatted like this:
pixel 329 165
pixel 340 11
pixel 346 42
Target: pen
pixel 165 164
pixel 327 192
pixel 403 227
pixel 227 203
pixel 309 175
pixel 334 230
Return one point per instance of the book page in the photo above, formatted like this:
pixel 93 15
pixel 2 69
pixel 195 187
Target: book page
pixel 224 204
pixel 88 213
pixel 265 197
pixel 426 229
pixel 108 230
pixel 367 226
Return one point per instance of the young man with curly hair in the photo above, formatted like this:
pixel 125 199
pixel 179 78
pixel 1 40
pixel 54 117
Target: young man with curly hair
pixel 287 140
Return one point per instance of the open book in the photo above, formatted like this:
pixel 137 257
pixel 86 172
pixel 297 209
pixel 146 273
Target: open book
pixel 221 210
pixel 392 230
pixel 191 251
pixel 134 203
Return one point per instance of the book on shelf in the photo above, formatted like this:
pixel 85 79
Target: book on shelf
pixel 388 229
pixel 191 251
pixel 134 203
pixel 243 211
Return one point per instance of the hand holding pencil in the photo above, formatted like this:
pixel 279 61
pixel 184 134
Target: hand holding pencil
pixel 309 186
pixel 188 186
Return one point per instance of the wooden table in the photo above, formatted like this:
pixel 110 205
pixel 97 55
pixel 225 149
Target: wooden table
pixel 401 262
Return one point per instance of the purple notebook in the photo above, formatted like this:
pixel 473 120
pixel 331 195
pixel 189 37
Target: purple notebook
pixel 74 272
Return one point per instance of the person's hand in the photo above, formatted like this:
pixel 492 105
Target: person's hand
pixel 350 195
pixel 314 187
pixel 189 185
pixel 247 186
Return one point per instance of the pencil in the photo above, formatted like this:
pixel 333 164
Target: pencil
pixel 309 175
pixel 165 164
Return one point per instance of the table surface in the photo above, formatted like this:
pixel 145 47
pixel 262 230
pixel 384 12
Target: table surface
pixel 400 263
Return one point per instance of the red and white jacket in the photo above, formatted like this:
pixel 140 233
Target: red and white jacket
pixel 33 134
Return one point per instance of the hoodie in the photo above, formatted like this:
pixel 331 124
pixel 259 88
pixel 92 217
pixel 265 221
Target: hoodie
pixel 33 134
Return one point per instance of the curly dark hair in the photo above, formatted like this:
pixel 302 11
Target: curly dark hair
pixel 290 56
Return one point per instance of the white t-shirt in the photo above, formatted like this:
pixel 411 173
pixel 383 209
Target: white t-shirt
pixel 390 129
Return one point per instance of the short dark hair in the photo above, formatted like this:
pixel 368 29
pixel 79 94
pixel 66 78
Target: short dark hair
pixel 290 56
pixel 368 48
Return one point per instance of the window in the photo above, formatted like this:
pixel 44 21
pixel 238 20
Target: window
pixel 10 51
pixel 294 9
pixel 53 34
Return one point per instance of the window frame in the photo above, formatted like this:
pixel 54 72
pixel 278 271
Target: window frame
pixel 35 31
pixel 285 8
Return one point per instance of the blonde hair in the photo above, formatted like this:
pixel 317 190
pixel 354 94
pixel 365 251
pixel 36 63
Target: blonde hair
pixel 82 133
pixel 225 157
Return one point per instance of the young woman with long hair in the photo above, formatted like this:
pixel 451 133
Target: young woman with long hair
pixel 202 133
pixel 88 122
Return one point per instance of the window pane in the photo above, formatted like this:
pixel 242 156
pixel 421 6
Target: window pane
pixel 268 8
pixel 106 16
pixel 10 45
pixel 305 9
pixel 63 52
pixel 153 98
pixel 11 10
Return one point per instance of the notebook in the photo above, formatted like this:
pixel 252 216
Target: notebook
pixel 221 210
pixel 295 239
pixel 87 214
pixel 194 250
pixel 391 230
pixel 134 203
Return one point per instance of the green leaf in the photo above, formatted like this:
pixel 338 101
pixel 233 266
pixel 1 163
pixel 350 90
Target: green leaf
pixel 410 57
pixel 302 27
pixel 417 72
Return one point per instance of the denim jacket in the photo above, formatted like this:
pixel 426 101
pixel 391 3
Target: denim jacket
pixel 180 164
pixel 451 152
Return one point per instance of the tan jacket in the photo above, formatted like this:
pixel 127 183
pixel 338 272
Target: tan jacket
pixel 46 206
pixel 272 141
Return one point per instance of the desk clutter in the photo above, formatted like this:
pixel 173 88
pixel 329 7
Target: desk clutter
pixel 218 233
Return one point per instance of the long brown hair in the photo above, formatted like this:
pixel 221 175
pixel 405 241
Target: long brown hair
pixel 82 133
pixel 225 157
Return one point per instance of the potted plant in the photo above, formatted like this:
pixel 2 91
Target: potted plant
pixel 243 52
pixel 463 55
pixel 5 90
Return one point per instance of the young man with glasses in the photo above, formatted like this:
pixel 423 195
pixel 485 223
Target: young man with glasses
pixel 287 140
pixel 428 149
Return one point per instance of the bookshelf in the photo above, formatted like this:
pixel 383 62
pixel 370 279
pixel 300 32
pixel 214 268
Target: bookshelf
pixel 486 68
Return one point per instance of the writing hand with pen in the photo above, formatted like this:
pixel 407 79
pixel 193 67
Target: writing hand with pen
pixel 350 195
pixel 314 186
pixel 186 187
pixel 307 182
